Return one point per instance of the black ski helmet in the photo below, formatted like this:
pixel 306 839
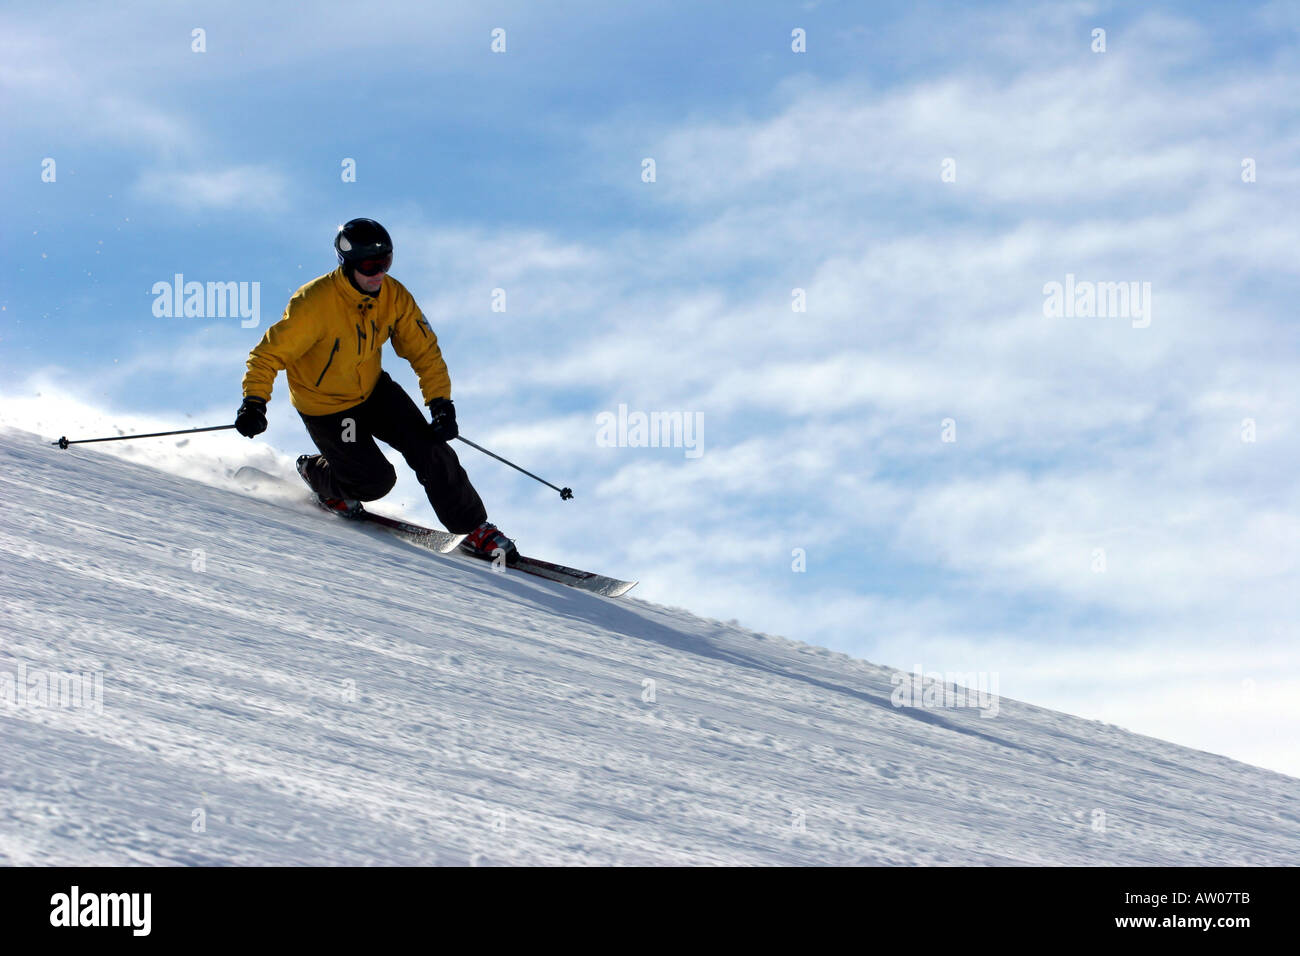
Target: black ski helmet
pixel 364 241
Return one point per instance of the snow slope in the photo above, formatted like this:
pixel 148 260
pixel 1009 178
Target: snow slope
pixel 280 687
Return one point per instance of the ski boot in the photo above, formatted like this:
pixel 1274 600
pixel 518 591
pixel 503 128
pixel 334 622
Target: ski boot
pixel 486 540
pixel 343 507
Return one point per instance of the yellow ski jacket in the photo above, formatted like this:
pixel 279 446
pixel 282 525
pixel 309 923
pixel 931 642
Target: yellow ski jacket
pixel 328 343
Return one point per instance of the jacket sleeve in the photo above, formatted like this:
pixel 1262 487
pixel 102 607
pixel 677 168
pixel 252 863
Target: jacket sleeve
pixel 283 342
pixel 414 341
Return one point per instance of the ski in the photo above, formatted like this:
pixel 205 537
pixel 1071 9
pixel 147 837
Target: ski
pixel 251 477
pixel 574 578
pixel 583 580
pixel 444 542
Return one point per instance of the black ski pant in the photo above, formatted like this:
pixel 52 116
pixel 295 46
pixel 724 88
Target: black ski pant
pixel 352 465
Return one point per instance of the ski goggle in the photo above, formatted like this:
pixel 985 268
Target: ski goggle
pixel 372 267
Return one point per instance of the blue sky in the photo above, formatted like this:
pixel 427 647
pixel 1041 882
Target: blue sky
pixel 775 170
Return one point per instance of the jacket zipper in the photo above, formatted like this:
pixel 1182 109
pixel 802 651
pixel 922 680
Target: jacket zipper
pixel 327 364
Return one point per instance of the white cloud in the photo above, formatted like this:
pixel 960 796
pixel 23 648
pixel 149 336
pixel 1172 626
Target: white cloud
pixel 64 92
pixel 258 187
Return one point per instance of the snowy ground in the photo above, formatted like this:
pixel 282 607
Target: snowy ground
pixel 279 687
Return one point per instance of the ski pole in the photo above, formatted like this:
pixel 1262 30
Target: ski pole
pixel 565 493
pixel 64 442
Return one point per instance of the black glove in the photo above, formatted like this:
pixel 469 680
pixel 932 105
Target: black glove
pixel 443 413
pixel 250 420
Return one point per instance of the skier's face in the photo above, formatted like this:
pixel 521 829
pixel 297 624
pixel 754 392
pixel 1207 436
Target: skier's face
pixel 369 283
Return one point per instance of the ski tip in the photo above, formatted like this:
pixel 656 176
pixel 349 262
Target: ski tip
pixel 451 543
pixel 248 473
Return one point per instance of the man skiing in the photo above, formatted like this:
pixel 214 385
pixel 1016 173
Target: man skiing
pixel 328 343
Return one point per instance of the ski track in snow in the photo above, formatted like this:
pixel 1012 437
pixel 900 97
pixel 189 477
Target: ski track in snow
pixel 498 718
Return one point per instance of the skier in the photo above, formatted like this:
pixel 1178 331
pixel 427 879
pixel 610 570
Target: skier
pixel 328 342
